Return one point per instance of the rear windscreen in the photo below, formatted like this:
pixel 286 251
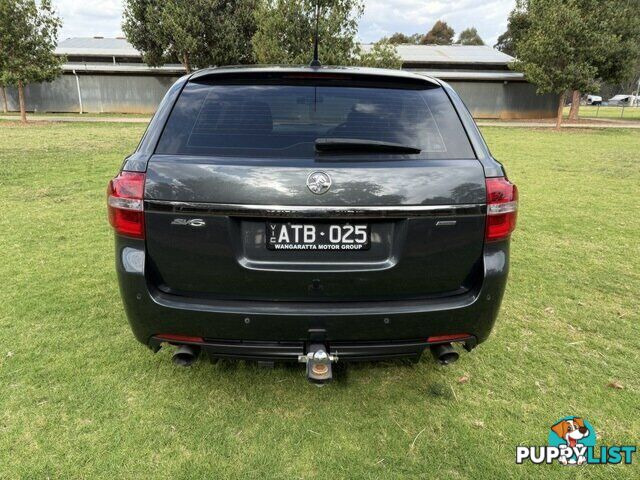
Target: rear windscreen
pixel 285 121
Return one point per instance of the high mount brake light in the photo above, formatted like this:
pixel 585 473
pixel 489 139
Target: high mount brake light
pixel 125 204
pixel 502 208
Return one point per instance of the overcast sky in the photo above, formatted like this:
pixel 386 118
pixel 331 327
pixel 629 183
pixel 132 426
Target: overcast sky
pixel 87 18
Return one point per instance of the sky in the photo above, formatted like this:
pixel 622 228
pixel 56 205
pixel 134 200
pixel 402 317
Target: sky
pixel 88 18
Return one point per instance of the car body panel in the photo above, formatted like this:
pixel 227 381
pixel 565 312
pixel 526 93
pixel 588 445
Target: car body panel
pixel 152 312
pixel 409 257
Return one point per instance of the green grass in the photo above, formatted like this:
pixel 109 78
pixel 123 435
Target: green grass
pixel 74 114
pixel 80 398
pixel 607 113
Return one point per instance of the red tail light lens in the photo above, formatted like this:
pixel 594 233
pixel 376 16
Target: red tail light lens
pixel 170 337
pixel 125 204
pixel 448 338
pixel 502 208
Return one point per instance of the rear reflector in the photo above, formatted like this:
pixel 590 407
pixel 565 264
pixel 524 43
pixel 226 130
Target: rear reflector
pixel 502 208
pixel 170 337
pixel 448 338
pixel 125 204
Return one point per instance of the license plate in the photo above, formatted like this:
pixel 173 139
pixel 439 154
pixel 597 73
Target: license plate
pixel 318 236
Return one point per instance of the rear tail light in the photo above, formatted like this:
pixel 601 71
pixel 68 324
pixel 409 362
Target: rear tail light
pixel 125 204
pixel 502 208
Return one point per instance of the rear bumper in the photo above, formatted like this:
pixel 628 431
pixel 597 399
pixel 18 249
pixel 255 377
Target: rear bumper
pixel 290 351
pixel 280 330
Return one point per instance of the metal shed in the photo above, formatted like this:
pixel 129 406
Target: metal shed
pixel 101 75
pixel 481 75
pixel 108 75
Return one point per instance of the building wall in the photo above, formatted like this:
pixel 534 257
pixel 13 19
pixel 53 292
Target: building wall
pixel 101 93
pixel 110 93
pixel 505 100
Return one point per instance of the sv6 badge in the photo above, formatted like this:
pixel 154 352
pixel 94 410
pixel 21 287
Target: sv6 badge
pixel 194 222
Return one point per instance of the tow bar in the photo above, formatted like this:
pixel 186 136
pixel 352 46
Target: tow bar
pixel 318 364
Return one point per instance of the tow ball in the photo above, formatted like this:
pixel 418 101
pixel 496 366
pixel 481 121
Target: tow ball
pixel 318 364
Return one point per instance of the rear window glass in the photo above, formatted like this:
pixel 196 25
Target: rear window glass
pixel 285 121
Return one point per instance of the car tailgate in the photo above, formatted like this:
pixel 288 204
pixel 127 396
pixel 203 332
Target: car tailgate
pixel 206 228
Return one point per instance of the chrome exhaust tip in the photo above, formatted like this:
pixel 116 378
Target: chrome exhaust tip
pixel 185 355
pixel 444 353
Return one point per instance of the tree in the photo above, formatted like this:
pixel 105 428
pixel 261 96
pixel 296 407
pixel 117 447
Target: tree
pixel 517 25
pixel 286 30
pixel 285 33
pixel 616 46
pixel 469 36
pixel 400 38
pixel 5 107
pixel 196 33
pixel 576 44
pixel 28 37
pixel 553 51
pixel 440 34
pixel 383 54
pixel 630 84
pixel 3 83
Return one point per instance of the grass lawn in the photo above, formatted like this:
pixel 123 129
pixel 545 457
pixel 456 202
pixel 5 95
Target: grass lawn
pixel 35 115
pixel 80 398
pixel 615 113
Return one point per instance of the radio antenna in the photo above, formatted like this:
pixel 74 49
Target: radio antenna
pixel 315 62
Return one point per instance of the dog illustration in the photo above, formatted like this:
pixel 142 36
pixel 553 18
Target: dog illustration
pixel 572 430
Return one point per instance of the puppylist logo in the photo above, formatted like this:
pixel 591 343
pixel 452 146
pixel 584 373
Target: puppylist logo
pixel 572 441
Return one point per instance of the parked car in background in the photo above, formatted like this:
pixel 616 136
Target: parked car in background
pixel 622 100
pixel 311 214
pixel 593 100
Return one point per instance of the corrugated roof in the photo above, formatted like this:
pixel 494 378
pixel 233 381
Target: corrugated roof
pixel 97 46
pixel 452 54
pixel 122 68
pixel 468 54
pixel 472 75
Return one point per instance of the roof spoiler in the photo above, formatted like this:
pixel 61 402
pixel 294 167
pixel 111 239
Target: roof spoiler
pixel 337 73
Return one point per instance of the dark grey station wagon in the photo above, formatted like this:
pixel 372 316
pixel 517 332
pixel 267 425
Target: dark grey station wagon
pixel 311 214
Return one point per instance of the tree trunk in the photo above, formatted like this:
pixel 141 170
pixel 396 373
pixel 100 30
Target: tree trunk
pixel 560 110
pixel 5 107
pixel 185 62
pixel 23 110
pixel 575 105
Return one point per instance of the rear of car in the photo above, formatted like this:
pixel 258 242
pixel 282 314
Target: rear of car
pixel 269 210
pixel 594 100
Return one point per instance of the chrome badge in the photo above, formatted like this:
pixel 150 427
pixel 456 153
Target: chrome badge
pixel 194 222
pixel 319 182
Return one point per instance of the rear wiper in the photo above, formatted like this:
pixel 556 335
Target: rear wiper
pixel 357 145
